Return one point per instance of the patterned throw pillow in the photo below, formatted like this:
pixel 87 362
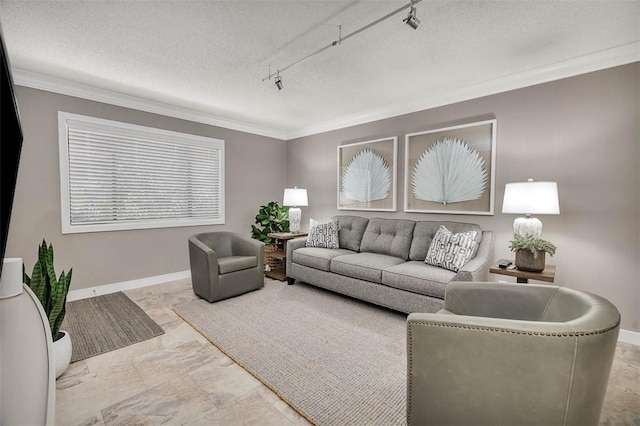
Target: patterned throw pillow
pixel 452 251
pixel 323 235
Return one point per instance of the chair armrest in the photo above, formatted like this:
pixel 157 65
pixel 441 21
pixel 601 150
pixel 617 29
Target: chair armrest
pixel 245 246
pixel 498 300
pixel 477 269
pixel 200 249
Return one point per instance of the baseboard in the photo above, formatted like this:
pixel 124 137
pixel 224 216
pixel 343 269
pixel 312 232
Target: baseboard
pixel 126 285
pixel 631 337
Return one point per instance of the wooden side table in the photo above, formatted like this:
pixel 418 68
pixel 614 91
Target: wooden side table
pixel 523 277
pixel 281 273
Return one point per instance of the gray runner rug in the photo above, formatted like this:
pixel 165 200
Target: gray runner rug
pixel 335 360
pixel 104 323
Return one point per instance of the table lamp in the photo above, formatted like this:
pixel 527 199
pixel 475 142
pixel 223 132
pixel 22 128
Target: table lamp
pixel 530 198
pixel 294 197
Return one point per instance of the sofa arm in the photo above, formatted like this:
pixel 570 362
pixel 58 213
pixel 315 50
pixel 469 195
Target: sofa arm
pixel 292 245
pixel 477 269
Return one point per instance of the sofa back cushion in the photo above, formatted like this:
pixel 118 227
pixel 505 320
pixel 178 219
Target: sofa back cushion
pixel 424 232
pixel 350 231
pixel 388 236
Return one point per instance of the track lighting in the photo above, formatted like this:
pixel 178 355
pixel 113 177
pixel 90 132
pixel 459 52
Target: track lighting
pixel 411 19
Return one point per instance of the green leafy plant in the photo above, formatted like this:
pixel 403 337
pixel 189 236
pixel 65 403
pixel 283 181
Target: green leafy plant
pixel 532 244
pixel 51 291
pixel 270 218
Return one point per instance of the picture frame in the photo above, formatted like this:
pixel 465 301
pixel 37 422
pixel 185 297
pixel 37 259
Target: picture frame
pixel 451 170
pixel 367 175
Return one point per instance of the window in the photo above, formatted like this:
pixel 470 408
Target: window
pixel 116 176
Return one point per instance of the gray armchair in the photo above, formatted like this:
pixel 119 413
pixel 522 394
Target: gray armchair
pixel 510 354
pixel 225 264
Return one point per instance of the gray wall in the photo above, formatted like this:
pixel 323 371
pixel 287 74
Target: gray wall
pixel 582 132
pixel 255 175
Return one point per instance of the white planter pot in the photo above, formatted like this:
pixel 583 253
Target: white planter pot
pixel 62 353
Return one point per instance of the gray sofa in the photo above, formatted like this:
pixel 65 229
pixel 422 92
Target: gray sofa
pixel 382 261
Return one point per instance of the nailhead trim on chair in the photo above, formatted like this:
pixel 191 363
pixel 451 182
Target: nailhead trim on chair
pixel 512 331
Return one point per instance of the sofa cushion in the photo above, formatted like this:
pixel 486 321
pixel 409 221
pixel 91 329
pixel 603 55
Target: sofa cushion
pixel 363 266
pixel 229 264
pixel 317 258
pixel 388 236
pixel 418 277
pixel 452 251
pixel 323 235
pixel 424 232
pixel 350 231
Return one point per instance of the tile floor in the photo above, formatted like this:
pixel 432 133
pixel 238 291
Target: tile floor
pixel 180 378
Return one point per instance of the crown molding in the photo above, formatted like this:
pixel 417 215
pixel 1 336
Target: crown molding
pixel 608 58
pixel 65 87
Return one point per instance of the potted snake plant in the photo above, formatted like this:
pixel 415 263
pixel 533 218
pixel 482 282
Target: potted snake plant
pixel 530 252
pixel 52 294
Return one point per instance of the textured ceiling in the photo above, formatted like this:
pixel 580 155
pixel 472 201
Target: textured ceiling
pixel 211 56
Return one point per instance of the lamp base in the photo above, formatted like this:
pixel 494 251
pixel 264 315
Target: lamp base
pixel 295 216
pixel 527 226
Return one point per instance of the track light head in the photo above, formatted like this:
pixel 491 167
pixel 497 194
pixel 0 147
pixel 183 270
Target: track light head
pixel 279 82
pixel 411 19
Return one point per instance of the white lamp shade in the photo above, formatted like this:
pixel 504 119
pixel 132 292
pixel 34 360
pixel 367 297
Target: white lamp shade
pixel 295 197
pixel 531 198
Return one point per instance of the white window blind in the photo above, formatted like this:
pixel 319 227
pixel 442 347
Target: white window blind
pixel 120 176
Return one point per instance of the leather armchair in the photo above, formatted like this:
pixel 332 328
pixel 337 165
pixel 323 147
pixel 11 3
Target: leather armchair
pixel 225 264
pixel 510 354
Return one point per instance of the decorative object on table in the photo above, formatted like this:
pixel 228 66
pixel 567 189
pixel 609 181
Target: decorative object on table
pixel 52 294
pixel 530 198
pixel 530 252
pixel 451 170
pixel 367 175
pixel 270 218
pixel 294 197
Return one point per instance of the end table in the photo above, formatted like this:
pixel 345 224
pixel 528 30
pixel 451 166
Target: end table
pixel 281 273
pixel 523 277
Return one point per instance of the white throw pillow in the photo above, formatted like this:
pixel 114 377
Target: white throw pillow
pixel 323 235
pixel 452 251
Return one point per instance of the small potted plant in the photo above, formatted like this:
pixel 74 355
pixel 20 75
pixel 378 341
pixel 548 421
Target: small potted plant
pixel 52 294
pixel 530 252
pixel 270 218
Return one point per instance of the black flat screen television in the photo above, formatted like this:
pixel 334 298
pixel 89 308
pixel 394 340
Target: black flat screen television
pixel 10 144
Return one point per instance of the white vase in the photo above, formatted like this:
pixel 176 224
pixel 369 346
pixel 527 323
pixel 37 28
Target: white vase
pixel 62 353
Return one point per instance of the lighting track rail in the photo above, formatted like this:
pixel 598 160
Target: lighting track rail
pixel 411 20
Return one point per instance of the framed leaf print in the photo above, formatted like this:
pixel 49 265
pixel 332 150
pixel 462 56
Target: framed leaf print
pixel 367 175
pixel 451 170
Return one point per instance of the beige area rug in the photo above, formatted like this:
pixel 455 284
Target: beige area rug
pixel 104 323
pixel 335 360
